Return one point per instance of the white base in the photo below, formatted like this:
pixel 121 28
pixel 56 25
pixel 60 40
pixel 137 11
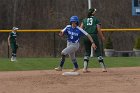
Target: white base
pixel 71 73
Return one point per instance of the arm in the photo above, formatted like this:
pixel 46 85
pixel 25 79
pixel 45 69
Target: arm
pixel 100 33
pixel 91 40
pixel 82 25
pixel 61 33
pixel 9 40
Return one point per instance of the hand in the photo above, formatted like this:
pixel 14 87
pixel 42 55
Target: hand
pixel 61 34
pixel 103 39
pixel 8 44
pixel 94 46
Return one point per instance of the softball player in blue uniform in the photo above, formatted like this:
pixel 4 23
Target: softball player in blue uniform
pixel 73 32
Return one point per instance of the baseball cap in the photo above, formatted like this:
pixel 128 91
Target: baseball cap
pixel 91 10
pixel 15 28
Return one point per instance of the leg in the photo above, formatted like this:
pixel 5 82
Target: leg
pixel 59 68
pixel 15 51
pixel 62 61
pixel 86 60
pixel 87 45
pixel 13 58
pixel 99 55
pixel 101 61
pixel 74 61
pixel 69 49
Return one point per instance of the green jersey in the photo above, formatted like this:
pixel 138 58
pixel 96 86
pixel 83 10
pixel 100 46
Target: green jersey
pixel 90 25
pixel 13 37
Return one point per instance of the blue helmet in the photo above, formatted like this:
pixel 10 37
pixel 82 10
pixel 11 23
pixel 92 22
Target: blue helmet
pixel 74 19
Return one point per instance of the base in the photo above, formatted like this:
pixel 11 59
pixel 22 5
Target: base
pixel 71 73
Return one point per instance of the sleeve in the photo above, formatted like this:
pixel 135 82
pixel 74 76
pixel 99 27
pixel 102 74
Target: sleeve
pixel 98 22
pixel 83 31
pixel 65 29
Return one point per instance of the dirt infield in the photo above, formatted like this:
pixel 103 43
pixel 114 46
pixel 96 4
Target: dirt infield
pixel 116 80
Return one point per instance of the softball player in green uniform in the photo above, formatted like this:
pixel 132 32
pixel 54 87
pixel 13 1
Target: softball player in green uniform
pixel 13 43
pixel 93 27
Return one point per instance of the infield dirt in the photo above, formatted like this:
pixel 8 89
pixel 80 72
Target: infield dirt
pixel 116 80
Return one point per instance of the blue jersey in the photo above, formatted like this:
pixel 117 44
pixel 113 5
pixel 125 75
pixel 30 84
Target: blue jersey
pixel 74 34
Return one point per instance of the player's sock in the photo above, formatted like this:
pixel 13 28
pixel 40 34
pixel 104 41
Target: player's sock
pixel 75 63
pixel 101 61
pixel 86 60
pixel 102 64
pixel 62 61
pixel 85 64
pixel 14 56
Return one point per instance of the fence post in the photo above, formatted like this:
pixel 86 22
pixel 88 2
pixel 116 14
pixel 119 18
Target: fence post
pixel 8 50
pixel 54 50
pixel 102 48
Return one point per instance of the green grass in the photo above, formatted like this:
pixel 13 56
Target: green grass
pixel 50 63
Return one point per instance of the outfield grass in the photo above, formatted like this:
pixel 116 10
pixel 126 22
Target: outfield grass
pixel 50 63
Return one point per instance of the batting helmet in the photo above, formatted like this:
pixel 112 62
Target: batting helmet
pixel 74 19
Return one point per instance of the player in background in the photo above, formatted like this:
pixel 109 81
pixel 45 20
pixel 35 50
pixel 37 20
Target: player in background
pixel 12 42
pixel 73 32
pixel 93 27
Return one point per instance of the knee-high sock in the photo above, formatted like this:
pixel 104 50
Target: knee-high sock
pixel 101 61
pixel 86 60
pixel 75 63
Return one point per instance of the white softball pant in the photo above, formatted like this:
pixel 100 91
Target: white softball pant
pixel 70 49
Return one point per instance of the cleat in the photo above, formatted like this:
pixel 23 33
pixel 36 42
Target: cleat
pixel 15 59
pixel 58 69
pixel 85 71
pixel 104 70
pixel 75 69
pixel 12 59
